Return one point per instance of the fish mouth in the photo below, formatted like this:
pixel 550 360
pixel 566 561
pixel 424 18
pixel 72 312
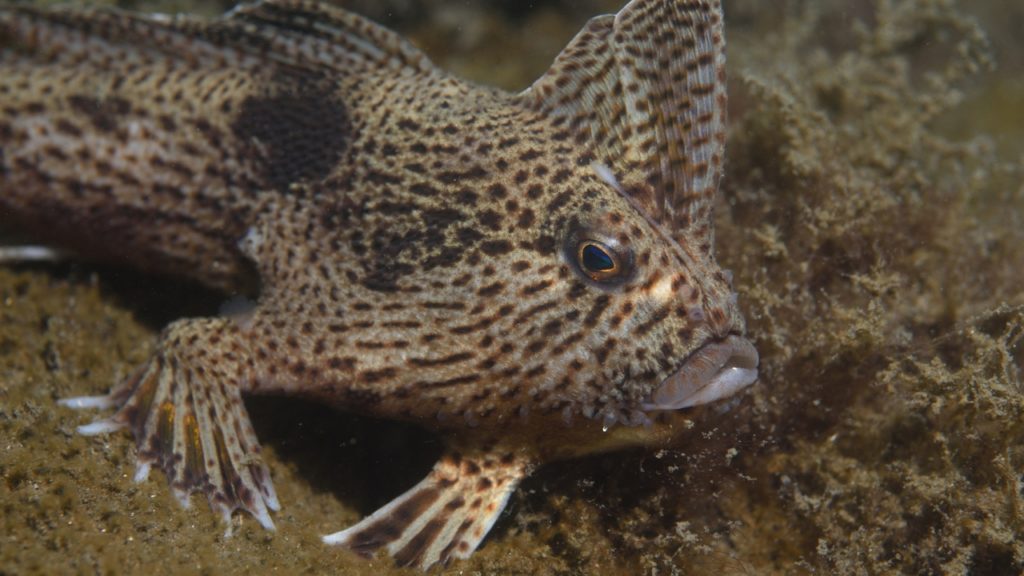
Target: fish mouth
pixel 716 370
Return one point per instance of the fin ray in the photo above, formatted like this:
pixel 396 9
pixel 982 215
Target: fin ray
pixel 188 419
pixel 304 32
pixel 299 33
pixel 446 515
pixel 645 92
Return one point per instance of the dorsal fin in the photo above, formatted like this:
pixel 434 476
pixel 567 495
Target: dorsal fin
pixel 646 91
pixel 307 32
pixel 294 33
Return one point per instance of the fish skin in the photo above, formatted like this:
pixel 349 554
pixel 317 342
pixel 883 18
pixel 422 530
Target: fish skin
pixel 417 238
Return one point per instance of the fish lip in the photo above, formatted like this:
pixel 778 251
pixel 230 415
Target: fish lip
pixel 716 370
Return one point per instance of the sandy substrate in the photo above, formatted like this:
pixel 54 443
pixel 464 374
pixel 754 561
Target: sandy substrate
pixel 873 215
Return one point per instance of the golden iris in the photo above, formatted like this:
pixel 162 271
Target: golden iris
pixel 597 261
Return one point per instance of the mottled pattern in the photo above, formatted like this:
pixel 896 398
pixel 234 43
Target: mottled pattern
pixel 417 239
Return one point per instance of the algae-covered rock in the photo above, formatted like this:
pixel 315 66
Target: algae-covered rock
pixel 873 215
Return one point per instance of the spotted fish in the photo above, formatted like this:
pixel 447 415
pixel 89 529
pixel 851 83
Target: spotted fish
pixel 531 275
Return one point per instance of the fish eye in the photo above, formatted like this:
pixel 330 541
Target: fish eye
pixel 599 261
pixel 595 258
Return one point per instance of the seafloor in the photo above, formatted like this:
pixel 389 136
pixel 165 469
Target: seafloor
pixel 873 213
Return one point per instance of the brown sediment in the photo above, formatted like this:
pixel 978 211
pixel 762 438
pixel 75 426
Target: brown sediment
pixel 879 265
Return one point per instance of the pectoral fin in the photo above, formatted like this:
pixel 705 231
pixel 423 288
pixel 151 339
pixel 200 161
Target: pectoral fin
pixel 184 408
pixel 446 515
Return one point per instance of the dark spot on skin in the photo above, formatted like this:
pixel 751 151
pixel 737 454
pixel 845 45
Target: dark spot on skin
pixel 374 376
pixel 296 133
pixel 468 236
pixel 526 218
pixel 561 200
pixel 598 309
pixel 561 176
pixel 535 347
pixel 490 290
pixel 167 122
pixel 421 189
pixel 443 361
pixel 545 244
pixel 529 155
pixel 442 217
pixel 456 176
pixel 490 219
pixel 341 363
pixel 65 127
pixel 536 371
pixel 497 191
pixel 656 318
pixel 496 247
pixel 103 114
pixel 409 125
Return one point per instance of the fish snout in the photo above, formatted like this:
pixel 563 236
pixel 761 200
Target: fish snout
pixel 714 371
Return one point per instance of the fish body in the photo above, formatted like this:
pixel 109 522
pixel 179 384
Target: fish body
pixel 520 272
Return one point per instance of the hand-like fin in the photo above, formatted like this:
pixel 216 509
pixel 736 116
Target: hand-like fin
pixel 645 92
pixel 445 516
pixel 185 410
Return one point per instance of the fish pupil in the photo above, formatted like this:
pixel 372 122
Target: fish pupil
pixel 597 260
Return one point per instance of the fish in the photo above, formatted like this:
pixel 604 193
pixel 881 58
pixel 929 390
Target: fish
pixel 531 275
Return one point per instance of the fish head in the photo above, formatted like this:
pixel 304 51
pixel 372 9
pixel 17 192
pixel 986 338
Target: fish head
pixel 647 320
pixel 640 95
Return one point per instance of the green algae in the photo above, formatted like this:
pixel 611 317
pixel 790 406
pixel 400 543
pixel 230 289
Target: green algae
pixel 872 213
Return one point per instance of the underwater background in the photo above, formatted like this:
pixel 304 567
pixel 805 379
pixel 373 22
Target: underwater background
pixel 873 214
